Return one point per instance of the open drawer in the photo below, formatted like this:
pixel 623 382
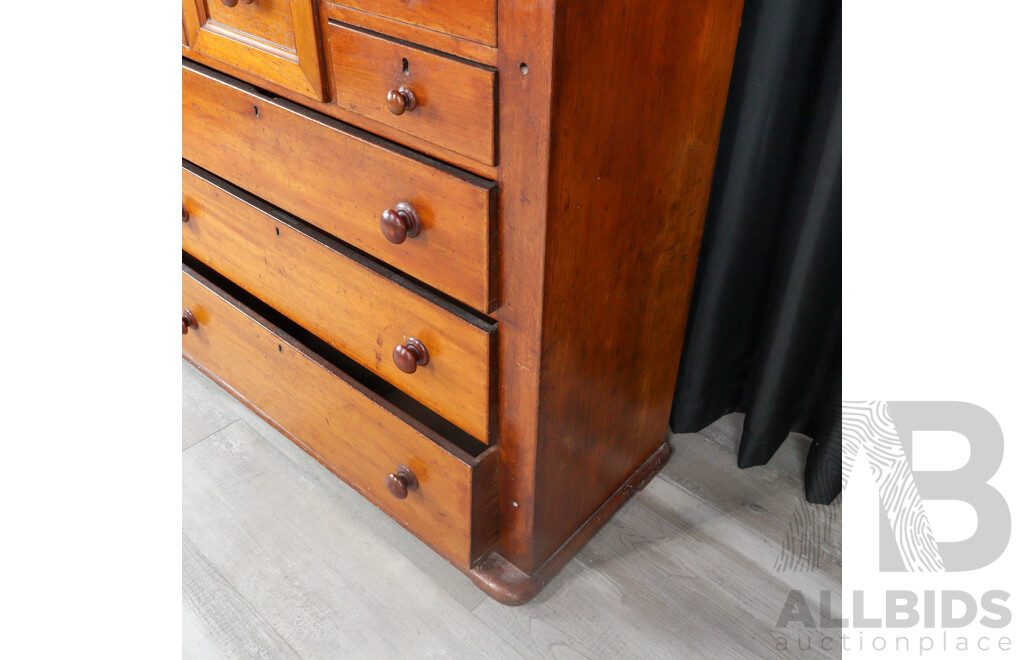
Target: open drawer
pixel 354 304
pixel 438 482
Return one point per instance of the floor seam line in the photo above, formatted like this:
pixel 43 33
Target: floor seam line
pixel 238 591
pixel 203 439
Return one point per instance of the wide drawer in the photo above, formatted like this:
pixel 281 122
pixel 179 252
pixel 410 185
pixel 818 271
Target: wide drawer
pixel 345 181
pixel 475 20
pixel 344 298
pixel 277 40
pixel 347 425
pixel 445 100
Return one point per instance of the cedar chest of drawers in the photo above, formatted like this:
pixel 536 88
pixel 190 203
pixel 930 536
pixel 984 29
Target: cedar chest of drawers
pixel 447 247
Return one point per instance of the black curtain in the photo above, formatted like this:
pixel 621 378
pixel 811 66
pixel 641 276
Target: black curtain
pixel 764 329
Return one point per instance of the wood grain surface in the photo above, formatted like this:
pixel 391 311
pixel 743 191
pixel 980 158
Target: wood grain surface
pixel 268 20
pixel 348 301
pixel 341 180
pixel 431 39
pixel 469 19
pixel 607 180
pixel 455 100
pixel 275 40
pixel 670 575
pixel 353 431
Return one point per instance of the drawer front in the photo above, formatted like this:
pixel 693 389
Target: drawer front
pixel 434 97
pixel 353 431
pixel 343 180
pixel 351 303
pixel 274 39
pixel 475 20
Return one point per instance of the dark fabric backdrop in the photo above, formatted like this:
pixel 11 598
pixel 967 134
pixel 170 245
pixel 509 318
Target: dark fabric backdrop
pixel 764 328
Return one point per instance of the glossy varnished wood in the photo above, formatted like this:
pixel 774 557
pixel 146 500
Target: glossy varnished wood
pixel 345 299
pixel 275 40
pixel 527 35
pixel 432 39
pixel 508 584
pixel 341 180
pixel 474 20
pixel 608 121
pixel 330 109
pixel 683 570
pixel 452 101
pixel 354 432
pixel 266 20
pixel 607 180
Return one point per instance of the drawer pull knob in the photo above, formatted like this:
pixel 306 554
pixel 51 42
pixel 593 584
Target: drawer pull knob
pixel 232 3
pixel 184 213
pixel 400 223
pixel 188 320
pixel 400 482
pixel 401 100
pixel 410 355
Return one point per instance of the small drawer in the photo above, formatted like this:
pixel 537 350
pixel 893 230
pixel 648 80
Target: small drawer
pixel 438 98
pixel 474 20
pixel 443 492
pixel 352 303
pixel 277 40
pixel 351 184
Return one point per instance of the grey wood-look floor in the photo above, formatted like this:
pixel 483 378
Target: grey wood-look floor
pixel 280 559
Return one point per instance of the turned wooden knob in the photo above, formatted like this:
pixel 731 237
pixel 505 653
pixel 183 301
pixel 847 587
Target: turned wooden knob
pixel 410 355
pixel 184 213
pixel 400 223
pixel 400 100
pixel 401 481
pixel 232 3
pixel 188 320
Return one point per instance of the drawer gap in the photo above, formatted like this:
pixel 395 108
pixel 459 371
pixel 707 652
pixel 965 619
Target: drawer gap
pixel 364 259
pixel 425 49
pixel 398 399
pixel 336 124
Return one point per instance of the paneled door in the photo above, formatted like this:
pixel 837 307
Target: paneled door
pixel 276 40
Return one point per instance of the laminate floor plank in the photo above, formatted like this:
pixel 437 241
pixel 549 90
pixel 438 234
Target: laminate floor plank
pixel 789 460
pixel 216 621
pixel 205 407
pixel 644 588
pixel 329 585
pixel 762 499
pixel 690 567
pixel 722 541
pixel 444 575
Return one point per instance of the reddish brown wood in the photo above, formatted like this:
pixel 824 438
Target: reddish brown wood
pixel 527 32
pixel 329 108
pixel 593 293
pixel 188 320
pixel 587 139
pixel 341 179
pixel 400 482
pixel 400 223
pixel 410 355
pixel 276 40
pixel 445 100
pixel 469 19
pixel 356 433
pixel 401 100
pixel 432 39
pixel 358 307
pixel 507 584
pixel 184 213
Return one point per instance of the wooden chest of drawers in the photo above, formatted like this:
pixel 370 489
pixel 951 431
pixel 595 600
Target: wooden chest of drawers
pixel 447 247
